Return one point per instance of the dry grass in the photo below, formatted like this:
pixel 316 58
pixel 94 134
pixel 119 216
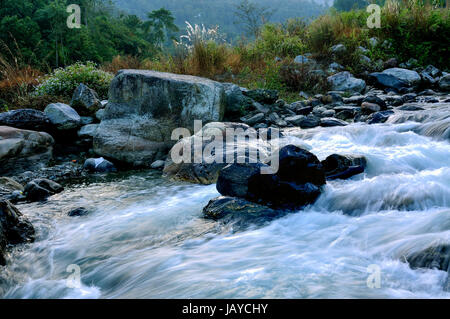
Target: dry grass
pixel 121 62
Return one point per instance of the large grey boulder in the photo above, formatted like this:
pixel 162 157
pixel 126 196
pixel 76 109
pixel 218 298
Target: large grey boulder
pixel 144 107
pixel 62 116
pixel 23 149
pixel 85 100
pixel 412 78
pixel 344 81
pixel 204 170
pixel 14 228
pixel 27 119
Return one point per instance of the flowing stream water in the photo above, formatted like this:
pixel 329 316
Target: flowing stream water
pixel 146 238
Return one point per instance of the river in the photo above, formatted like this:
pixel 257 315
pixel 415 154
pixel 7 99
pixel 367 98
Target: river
pixel 146 238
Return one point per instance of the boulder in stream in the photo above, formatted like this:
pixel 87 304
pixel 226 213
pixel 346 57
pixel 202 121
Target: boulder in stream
pixel 41 188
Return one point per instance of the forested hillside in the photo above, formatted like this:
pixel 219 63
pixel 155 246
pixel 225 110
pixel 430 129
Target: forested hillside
pixel 222 12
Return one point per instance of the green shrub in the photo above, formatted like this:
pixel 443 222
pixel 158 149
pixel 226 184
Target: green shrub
pixel 281 40
pixel 64 81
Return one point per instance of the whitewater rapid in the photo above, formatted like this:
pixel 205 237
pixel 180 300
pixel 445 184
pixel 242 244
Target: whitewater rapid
pixel 146 237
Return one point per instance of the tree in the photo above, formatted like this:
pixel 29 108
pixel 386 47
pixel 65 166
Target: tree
pixel 159 24
pixel 252 16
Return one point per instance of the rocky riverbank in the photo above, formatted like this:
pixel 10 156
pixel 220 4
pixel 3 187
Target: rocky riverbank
pixel 39 151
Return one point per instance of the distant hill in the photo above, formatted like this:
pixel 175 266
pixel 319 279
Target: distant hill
pixel 221 12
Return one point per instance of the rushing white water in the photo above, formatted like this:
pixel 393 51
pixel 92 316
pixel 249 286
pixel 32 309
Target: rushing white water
pixel 146 237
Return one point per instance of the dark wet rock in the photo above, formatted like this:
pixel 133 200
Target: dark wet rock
pixel 62 116
pixel 80 211
pixel 379 117
pixel 300 166
pixel 99 165
pixel 40 189
pixel 85 100
pixel 304 110
pixel 27 119
pixel 235 179
pixel 296 184
pixel 22 149
pixel 240 211
pixel 434 257
pixel 262 96
pixel 331 121
pixel 343 166
pixel 14 228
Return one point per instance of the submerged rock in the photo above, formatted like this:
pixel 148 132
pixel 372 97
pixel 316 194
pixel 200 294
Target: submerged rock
pixel 14 228
pixel 80 211
pixel 239 211
pixel 435 257
pixel 40 189
pixel 144 107
pixel 343 166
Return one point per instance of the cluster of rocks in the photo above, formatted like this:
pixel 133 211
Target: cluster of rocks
pixel 249 194
pixel 350 101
